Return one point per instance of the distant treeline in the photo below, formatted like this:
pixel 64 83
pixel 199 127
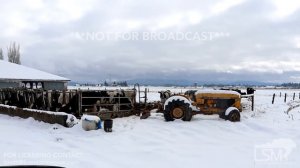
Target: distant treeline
pixel 120 83
pixel 291 85
pixel 228 85
pixel 215 85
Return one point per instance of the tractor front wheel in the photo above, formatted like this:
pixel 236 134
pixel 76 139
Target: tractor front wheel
pixel 234 116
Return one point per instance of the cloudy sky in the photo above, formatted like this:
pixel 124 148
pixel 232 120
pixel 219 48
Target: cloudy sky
pixel 94 40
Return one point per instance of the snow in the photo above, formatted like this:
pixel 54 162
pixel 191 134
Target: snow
pixel 218 91
pixel 71 119
pixel 185 100
pixel 229 110
pixel 206 141
pixel 7 106
pixel 90 118
pixel 43 111
pixel 10 71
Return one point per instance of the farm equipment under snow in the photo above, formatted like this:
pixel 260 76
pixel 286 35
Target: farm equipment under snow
pixel 225 103
pixel 108 104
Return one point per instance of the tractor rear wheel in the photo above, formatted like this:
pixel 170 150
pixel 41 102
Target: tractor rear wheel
pixel 177 109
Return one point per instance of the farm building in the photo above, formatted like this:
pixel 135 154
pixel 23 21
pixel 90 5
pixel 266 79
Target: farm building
pixel 18 76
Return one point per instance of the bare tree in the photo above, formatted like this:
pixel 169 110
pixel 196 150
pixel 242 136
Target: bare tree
pixel 1 54
pixel 13 53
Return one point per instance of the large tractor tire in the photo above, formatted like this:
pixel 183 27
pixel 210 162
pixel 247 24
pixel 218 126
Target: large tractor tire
pixel 233 115
pixel 177 109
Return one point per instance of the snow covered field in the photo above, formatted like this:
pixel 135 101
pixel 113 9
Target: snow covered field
pixel 267 137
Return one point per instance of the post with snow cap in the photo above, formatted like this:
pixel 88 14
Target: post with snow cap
pixel 273 98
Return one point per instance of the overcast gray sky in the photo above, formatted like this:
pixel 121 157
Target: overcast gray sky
pixel 249 40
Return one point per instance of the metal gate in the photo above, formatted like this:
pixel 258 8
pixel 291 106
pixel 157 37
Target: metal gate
pixel 112 106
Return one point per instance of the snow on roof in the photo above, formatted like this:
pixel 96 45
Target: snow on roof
pixel 11 71
pixel 218 91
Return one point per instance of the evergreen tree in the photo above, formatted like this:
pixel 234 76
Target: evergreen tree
pixel 105 83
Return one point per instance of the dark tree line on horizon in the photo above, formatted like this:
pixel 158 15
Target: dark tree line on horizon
pixel 291 85
pixel 120 83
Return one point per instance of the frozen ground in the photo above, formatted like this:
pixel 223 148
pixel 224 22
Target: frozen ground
pixel 267 137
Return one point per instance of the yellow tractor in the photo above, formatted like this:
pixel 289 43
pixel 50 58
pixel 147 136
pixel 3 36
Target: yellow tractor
pixel 226 103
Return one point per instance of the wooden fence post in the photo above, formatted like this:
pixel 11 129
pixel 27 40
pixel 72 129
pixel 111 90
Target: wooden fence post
pixel 285 97
pixel 252 103
pixel 294 96
pixel 280 94
pixel 273 98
